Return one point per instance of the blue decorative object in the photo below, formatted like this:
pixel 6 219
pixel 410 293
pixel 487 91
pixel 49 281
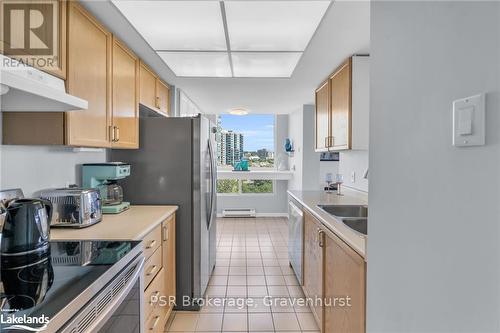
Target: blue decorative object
pixel 241 165
pixel 288 145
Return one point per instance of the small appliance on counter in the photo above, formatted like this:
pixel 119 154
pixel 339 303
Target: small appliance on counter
pixel 74 207
pixel 24 224
pixel 104 177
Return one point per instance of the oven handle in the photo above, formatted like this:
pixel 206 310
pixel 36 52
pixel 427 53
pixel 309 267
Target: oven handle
pixel 118 300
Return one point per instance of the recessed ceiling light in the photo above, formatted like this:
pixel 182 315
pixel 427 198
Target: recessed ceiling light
pixel 177 25
pixel 238 112
pixel 198 64
pixel 273 25
pixel 264 64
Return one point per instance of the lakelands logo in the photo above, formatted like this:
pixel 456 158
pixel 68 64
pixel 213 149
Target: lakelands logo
pixel 30 31
pixel 24 323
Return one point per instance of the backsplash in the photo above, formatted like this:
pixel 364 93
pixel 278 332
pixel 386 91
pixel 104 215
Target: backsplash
pixel 357 161
pixel 36 167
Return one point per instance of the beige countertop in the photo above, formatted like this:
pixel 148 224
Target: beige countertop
pixel 133 224
pixel 310 199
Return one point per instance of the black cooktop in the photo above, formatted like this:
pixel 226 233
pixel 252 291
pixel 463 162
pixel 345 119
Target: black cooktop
pixel 44 283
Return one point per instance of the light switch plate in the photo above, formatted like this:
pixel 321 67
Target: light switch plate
pixel 469 121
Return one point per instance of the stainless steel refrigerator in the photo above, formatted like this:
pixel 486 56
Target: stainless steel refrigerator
pixel 176 164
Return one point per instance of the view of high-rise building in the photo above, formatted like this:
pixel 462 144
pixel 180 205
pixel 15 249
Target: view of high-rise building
pixel 250 137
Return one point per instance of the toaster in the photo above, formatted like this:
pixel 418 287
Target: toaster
pixel 74 207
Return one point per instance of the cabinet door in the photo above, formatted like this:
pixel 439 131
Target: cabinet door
pixel 340 106
pixel 50 42
pixel 169 260
pixel 163 93
pixel 344 274
pixel 89 77
pixel 147 88
pixel 313 264
pixel 322 117
pixel 125 100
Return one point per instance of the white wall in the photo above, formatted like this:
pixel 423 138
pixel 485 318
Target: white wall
pixel 37 167
pixel 304 162
pixel 354 161
pixel 434 231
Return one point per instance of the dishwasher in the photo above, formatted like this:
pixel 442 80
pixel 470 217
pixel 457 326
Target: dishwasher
pixel 295 238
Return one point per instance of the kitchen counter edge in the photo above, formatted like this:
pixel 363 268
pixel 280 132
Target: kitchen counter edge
pixel 132 224
pixel 309 201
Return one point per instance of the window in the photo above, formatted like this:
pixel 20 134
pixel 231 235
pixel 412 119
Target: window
pixel 247 138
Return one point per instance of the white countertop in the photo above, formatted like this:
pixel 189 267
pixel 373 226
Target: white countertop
pixel 310 199
pixel 132 224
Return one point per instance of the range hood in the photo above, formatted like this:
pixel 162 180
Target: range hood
pixel 27 89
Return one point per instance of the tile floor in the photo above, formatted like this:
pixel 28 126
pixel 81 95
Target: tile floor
pixel 253 281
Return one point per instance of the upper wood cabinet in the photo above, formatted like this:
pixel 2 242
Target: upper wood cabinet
pixel 163 93
pixel 345 96
pixel 323 116
pixel 52 34
pixel 89 77
pixel 125 115
pixel 340 108
pixel 147 87
pixel 154 94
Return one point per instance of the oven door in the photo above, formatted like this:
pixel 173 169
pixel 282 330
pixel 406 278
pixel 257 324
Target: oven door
pixel 118 307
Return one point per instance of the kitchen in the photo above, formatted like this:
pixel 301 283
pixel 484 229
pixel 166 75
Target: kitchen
pixel 364 92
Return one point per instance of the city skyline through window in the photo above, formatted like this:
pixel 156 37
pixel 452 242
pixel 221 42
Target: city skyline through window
pixel 249 137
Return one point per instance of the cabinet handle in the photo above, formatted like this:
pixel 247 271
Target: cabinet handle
pixel 320 238
pixel 326 142
pixel 151 244
pixel 157 102
pixel 154 295
pixel 165 233
pixel 112 133
pixel 157 320
pixel 117 133
pixel 152 270
pixel 332 139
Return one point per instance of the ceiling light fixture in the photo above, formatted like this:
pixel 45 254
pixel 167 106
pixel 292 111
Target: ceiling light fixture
pixel 238 112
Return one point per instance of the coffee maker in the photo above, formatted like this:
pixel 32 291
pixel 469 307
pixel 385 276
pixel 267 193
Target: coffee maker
pixel 104 177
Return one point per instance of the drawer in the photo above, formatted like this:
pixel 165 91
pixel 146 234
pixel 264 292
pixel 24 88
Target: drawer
pixel 156 288
pixel 152 267
pixel 152 241
pixel 156 321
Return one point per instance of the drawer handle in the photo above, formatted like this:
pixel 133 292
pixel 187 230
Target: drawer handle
pixel 151 244
pixel 320 236
pixel 151 271
pixel 156 294
pixel 157 320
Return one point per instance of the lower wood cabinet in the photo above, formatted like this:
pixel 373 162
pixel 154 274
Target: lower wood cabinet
pixel 159 275
pixel 313 264
pixel 335 273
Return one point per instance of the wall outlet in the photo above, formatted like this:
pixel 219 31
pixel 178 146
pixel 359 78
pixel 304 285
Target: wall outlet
pixel 353 176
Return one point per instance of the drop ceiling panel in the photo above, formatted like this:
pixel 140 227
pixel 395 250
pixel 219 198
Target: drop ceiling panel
pixel 273 25
pixel 264 64
pixel 177 25
pixel 198 64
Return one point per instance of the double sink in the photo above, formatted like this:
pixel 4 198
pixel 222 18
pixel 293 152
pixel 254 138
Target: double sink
pixel 353 216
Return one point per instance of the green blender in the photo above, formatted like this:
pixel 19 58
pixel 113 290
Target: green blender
pixel 104 177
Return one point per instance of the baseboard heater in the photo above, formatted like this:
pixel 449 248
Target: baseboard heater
pixel 239 213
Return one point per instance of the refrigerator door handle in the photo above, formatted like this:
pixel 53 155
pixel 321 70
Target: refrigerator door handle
pixel 210 153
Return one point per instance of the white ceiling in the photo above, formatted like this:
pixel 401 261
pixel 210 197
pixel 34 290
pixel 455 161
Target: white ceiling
pixel 246 27
pixel 344 30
